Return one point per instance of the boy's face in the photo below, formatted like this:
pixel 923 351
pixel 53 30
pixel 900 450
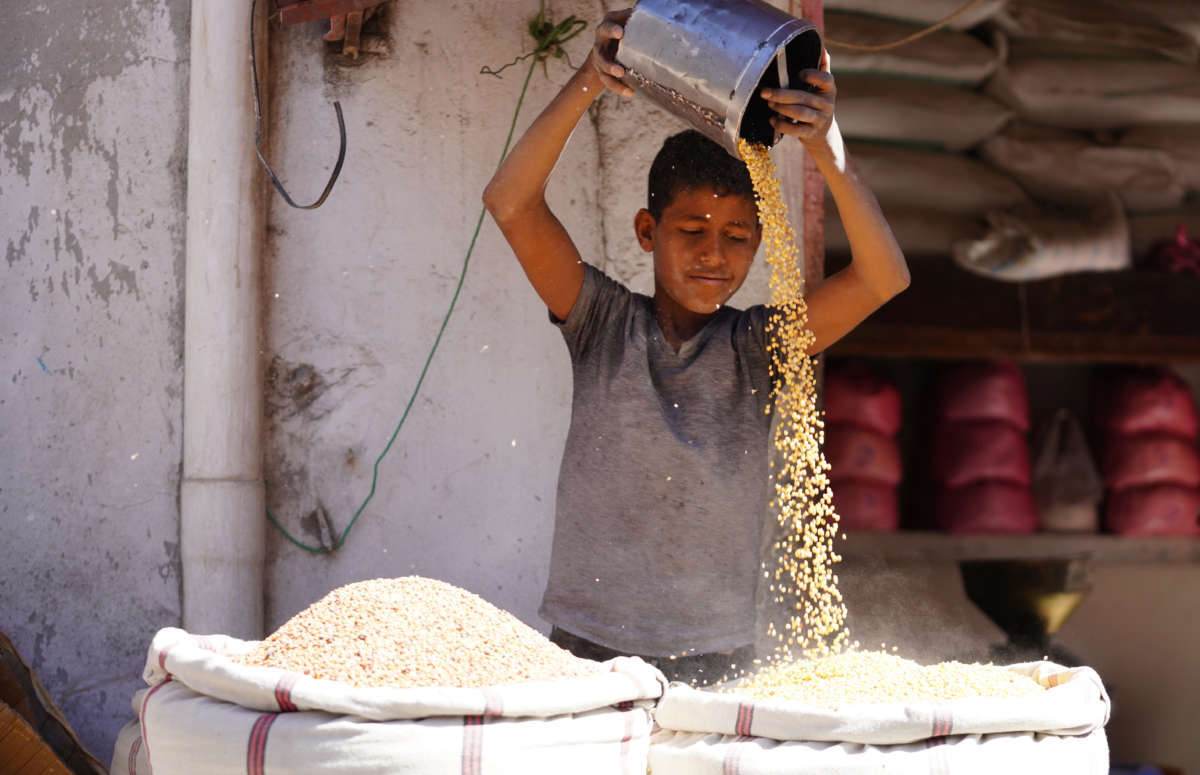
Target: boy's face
pixel 703 246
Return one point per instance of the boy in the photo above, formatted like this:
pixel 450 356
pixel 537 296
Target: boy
pixel 664 481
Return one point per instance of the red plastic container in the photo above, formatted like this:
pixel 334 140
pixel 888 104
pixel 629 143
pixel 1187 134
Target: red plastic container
pixel 855 396
pixel 866 506
pixel 862 454
pixel 1152 400
pixel 1145 459
pixel 965 452
pixel 991 390
pixel 986 507
pixel 1159 510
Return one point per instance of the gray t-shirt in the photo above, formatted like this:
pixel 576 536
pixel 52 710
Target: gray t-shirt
pixel 663 488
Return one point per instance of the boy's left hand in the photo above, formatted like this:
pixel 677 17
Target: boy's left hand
pixel 806 114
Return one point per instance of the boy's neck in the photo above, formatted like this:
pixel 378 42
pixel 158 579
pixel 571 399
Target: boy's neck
pixel 678 323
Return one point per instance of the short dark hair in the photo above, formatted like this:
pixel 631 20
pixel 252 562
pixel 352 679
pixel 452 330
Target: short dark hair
pixel 690 160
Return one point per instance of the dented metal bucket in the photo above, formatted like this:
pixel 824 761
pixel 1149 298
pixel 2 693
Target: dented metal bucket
pixel 706 61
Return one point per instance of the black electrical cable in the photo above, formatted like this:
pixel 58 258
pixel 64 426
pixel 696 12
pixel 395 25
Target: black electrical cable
pixel 337 107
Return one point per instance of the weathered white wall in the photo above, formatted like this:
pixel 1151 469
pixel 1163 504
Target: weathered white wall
pixel 92 146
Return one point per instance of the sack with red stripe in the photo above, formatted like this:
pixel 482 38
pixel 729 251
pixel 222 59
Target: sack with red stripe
pixel 991 390
pixel 206 713
pixel 986 507
pixel 1135 461
pixel 855 396
pixel 1060 730
pixel 1164 509
pixel 1150 400
pixel 862 454
pixel 866 506
pixel 965 452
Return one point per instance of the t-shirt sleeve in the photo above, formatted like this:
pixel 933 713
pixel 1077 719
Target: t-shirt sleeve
pixel 602 303
pixel 755 320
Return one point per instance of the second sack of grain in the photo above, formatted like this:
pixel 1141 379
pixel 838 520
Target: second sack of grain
pixel 370 680
pixel 873 712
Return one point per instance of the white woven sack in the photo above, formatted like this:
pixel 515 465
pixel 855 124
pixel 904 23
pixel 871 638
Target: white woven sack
pixel 1033 245
pixel 919 232
pixel 911 110
pixel 1180 142
pixel 1060 730
pixel 934 180
pixel 1150 25
pixel 207 713
pixel 1071 169
pixel 1088 92
pixel 946 55
pixel 922 11
pixel 693 753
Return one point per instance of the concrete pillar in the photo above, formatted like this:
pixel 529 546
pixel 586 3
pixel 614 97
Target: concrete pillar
pixel 223 523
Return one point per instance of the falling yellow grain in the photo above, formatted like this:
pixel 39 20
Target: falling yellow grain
pixel 804 558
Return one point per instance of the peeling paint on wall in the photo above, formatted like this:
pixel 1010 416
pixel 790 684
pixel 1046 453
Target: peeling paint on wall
pixel 93 120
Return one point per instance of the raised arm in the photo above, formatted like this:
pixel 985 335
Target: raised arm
pixel 877 269
pixel 516 195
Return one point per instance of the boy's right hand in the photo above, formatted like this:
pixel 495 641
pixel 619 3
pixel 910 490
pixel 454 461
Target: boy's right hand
pixel 603 57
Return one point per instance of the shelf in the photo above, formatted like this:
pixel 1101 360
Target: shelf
pixel 1118 317
pixel 920 547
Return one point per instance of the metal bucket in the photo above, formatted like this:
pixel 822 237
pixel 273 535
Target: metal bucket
pixel 706 61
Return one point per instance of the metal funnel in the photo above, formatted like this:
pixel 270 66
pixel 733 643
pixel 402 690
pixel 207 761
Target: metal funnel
pixel 1029 599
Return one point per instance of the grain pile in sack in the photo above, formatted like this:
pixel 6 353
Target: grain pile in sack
pixel 862 415
pixel 949 56
pixel 922 11
pixel 1148 424
pixel 979 462
pixel 429 701
pixel 1055 727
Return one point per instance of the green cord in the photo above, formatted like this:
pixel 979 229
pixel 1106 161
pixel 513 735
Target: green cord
pixel 544 44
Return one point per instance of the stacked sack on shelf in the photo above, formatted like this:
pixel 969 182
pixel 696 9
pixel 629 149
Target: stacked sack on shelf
pixel 1107 98
pixel 862 416
pixel 1147 423
pixel 910 114
pixel 1029 138
pixel 980 452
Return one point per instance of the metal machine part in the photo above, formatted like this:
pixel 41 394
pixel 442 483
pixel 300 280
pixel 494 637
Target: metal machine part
pixel 1029 599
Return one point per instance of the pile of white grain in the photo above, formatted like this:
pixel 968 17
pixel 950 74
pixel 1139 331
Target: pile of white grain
pixel 413 631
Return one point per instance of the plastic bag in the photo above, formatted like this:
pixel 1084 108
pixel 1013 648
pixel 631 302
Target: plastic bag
pixel 1066 486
